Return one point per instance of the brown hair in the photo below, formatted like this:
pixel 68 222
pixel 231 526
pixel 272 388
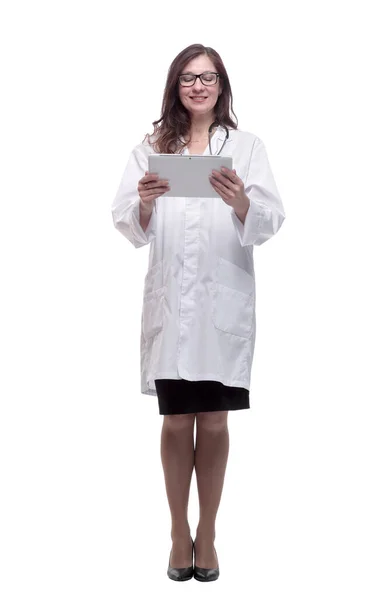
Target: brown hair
pixel 175 119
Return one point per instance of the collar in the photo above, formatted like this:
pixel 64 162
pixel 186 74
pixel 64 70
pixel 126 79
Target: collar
pixel 222 134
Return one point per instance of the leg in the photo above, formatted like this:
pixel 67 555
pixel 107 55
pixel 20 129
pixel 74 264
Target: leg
pixel 177 454
pixel 211 455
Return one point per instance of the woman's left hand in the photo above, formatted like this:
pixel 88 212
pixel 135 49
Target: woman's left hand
pixel 229 186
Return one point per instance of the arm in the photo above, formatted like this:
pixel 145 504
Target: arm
pixel 130 217
pixel 260 219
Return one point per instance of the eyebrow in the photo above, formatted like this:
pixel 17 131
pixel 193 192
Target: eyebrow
pixel 191 73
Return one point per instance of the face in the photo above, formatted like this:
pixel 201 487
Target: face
pixel 199 65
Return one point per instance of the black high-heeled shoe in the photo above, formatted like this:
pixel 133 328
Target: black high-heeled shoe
pixel 183 574
pixel 202 574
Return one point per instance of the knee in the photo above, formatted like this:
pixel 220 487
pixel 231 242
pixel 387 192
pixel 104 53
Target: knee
pixel 212 421
pixel 179 422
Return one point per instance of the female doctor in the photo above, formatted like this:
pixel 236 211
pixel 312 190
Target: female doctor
pixel 198 317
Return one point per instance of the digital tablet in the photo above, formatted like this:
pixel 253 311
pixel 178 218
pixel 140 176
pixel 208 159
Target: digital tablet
pixel 188 174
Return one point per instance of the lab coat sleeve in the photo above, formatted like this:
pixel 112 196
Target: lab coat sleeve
pixel 266 212
pixel 125 208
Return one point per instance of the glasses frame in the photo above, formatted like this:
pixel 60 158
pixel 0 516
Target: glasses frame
pixel 200 75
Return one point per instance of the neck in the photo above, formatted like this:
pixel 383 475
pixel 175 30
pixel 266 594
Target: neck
pixel 200 126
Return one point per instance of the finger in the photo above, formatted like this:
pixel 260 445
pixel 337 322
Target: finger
pixel 229 174
pixel 156 190
pixel 150 177
pixel 222 176
pixel 152 189
pixel 219 188
pixel 156 184
pixel 224 186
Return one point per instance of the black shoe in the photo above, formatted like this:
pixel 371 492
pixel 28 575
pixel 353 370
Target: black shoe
pixel 202 574
pixel 183 574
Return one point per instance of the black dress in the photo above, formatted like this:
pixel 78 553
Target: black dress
pixel 180 396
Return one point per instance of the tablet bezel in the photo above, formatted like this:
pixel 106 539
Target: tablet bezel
pixel 188 174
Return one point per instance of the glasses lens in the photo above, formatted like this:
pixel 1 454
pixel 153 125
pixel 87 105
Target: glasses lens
pixel 209 78
pixel 186 79
pixel 206 78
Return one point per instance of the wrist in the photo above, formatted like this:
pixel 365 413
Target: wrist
pixel 145 215
pixel 241 209
pixel 146 208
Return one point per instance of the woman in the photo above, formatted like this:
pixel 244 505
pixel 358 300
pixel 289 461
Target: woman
pixel 198 318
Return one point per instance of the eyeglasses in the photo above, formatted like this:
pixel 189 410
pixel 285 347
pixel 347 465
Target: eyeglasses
pixel 207 78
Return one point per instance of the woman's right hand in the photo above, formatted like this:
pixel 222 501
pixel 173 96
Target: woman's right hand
pixel 154 188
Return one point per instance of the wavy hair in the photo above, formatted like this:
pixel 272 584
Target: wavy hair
pixel 175 120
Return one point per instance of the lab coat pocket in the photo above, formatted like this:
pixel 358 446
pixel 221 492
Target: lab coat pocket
pixel 154 278
pixel 233 299
pixel 152 315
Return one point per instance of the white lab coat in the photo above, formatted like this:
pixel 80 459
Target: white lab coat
pixel 198 316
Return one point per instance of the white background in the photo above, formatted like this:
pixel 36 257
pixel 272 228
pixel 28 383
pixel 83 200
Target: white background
pixel 305 506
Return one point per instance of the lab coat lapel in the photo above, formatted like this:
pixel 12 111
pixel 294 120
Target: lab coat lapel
pixel 219 139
